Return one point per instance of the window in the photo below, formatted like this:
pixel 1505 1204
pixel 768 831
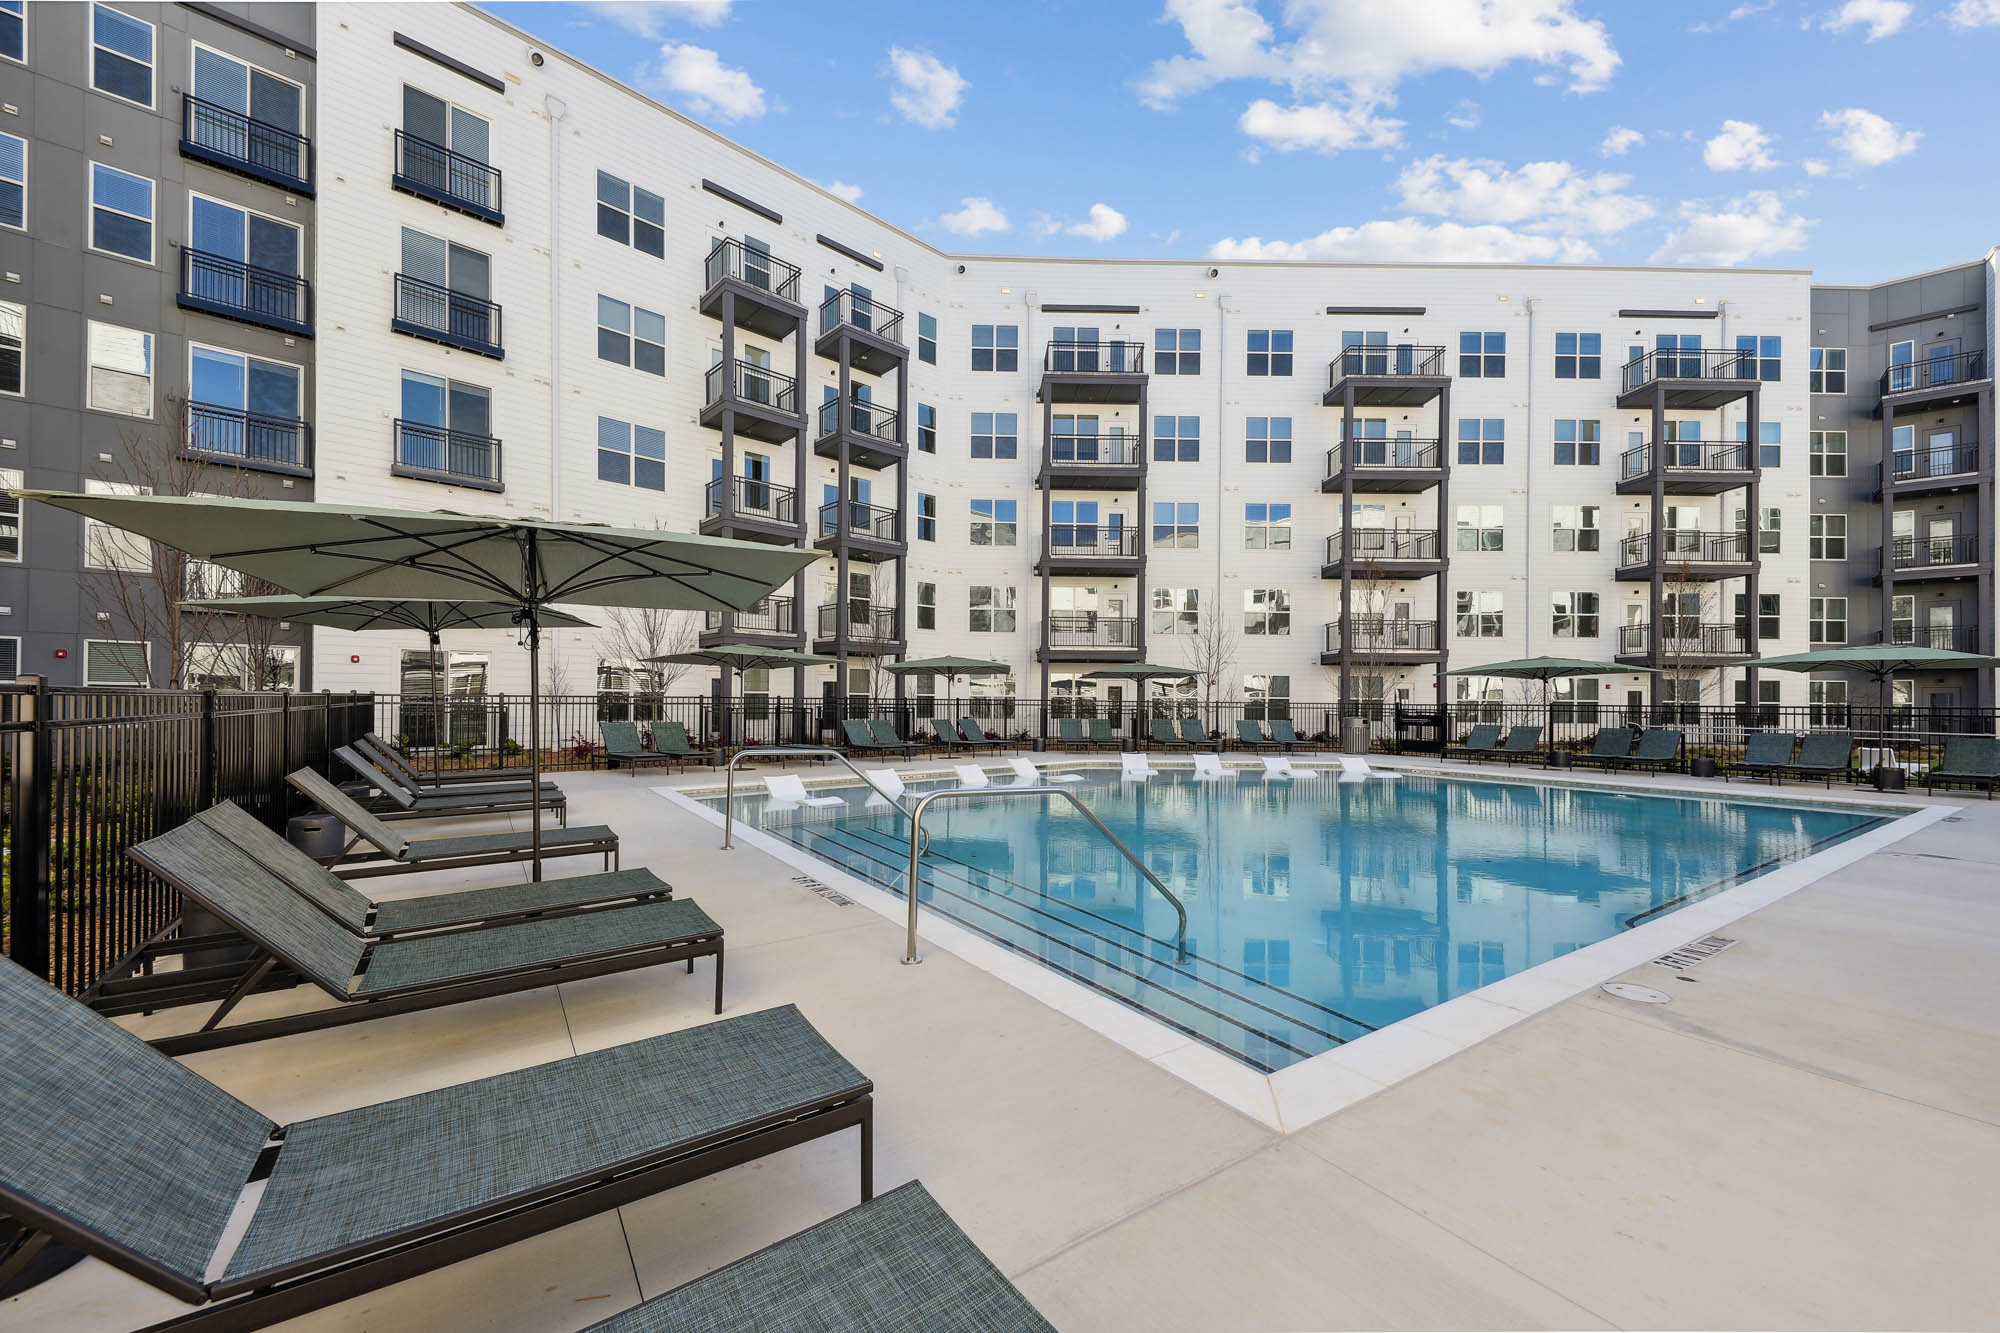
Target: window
pixel 1176 611
pixel 117 664
pixel 926 517
pixel 1481 528
pixel 1479 615
pixel 1826 452
pixel 1267 611
pixel 1826 537
pixel 1177 351
pixel 1176 439
pixel 631 336
pixel 1574 700
pixel 1902 618
pixel 1828 372
pixel 121 213
pixel 1577 442
pixel 121 370
pixel 926 428
pixel 13 181
pixel 247 116
pixel 243 408
pixel 1761 358
pixel 1176 526
pixel 445 428
pixel 13 34
pixel 1482 441
pixel 1270 352
pixel 992 610
pixel 1482 356
pixel 1575 615
pixel 927 606
pixel 1828 700
pixel 446 289
pixel 1267 697
pixel 1267 527
pixel 1767 616
pixel 631 216
pixel 1579 356
pixel 996 347
pixel 1769 436
pixel 1267 440
pixel 927 338
pixel 631 455
pixel 1576 528
pixel 1826 620
pixel 993 522
pixel 106 547
pixel 10 524
pixel 13 348
pixel 1479 698
pixel 10 654
pixel 996 434
pixel 121 55
pixel 1769 533
pixel 458 172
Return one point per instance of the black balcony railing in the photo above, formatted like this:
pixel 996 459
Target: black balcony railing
pixel 1402 359
pixel 751 384
pixel 1958 548
pixel 240 291
pixel 1689 363
pixel 1402 452
pixel 773 615
pixel 753 268
pixel 1686 456
pixel 855 311
pixel 859 622
pixel 1095 358
pixel 443 315
pixel 1380 634
pixel 1949 460
pixel 752 498
pixel 1934 372
pixel 1087 629
pixel 433 453
pixel 1951 638
pixel 1072 450
pixel 1686 546
pixel 859 416
pixel 442 176
pixel 248 439
pixel 1386 544
pixel 1680 638
pixel 1076 541
pixel 863 520
pixel 232 140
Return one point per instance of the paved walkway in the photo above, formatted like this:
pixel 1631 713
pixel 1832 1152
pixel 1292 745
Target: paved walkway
pixel 1807 1136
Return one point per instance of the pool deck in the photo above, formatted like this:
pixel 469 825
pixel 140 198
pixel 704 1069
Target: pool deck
pixel 1806 1136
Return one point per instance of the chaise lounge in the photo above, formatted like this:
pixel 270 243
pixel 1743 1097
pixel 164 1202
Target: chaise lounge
pixel 1610 745
pixel 621 743
pixel 395 854
pixel 1481 742
pixel 1969 761
pixel 1283 733
pixel 1522 743
pixel 1659 749
pixel 399 802
pixel 1251 737
pixel 391 760
pixel 1824 755
pixel 1766 754
pixel 670 738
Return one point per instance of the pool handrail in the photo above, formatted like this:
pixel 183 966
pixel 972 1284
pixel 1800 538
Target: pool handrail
pixel 757 751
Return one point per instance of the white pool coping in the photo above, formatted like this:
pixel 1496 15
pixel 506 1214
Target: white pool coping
pixel 1302 1094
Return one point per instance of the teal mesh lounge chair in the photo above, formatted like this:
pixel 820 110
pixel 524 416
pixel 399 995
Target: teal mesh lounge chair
pixel 1069 733
pixel 859 738
pixel 671 738
pixel 1283 733
pixel 1522 743
pixel 1969 761
pixel 1162 736
pixel 1658 749
pixel 453 789
pixel 397 802
pixel 947 735
pixel 886 738
pixel 1824 755
pixel 971 732
pixel 1196 735
pixel 621 743
pixel 1611 743
pixel 1251 736
pixel 1766 754
pixel 391 760
pixel 1480 742
pixel 1102 736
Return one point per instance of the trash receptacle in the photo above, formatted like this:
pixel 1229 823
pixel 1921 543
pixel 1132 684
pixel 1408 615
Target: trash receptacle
pixel 1890 777
pixel 1354 735
pixel 319 835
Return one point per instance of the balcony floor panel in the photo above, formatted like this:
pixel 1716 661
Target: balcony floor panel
pixel 1093 478
pixel 1387 390
pixel 868 353
pixel 1687 483
pixel 1387 481
pixel 869 451
pixel 1688 395
pixel 755 421
pixel 1077 387
pixel 745 528
pixel 762 312
pixel 1699 571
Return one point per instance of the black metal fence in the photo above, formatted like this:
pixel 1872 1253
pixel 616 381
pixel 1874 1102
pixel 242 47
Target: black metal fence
pixel 89 772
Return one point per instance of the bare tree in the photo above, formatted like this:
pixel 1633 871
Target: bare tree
pixel 1688 606
pixel 1211 650
pixel 1371 635
pixel 633 635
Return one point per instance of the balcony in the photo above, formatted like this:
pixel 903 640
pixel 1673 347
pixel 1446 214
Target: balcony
pixel 1686 554
pixel 1094 462
pixel 871 332
pixel 1941 468
pixel 432 453
pixel 1405 375
pixel 1935 381
pixel 432 171
pixel 1387 552
pixel 1686 467
pixel 1092 548
pixel 1093 372
pixel 864 627
pixel 869 532
pixel 235 438
pixel 233 141
pixel 759 511
pixel 1682 643
pixel 1402 466
pixel 1380 640
pixel 759 292
pixel 1085 636
pixel 871 435
pixel 774 622
pixel 441 315
pixel 1953 556
pixel 1688 379
pixel 1950 638
pixel 218 285
pixel 764 403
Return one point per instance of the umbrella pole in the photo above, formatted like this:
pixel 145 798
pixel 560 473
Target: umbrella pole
pixel 534 619
pixel 437 712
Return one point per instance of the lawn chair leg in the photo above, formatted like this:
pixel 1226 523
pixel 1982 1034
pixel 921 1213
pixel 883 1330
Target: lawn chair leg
pixel 867 1149
pixel 248 984
pixel 718 977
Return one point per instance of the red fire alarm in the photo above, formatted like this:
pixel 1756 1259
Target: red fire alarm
pixel 354 657
pixel 61 653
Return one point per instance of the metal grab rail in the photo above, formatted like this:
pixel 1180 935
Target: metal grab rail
pixel 754 752
pixel 910 954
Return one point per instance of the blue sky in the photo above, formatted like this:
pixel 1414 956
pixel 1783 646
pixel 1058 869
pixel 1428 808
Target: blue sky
pixel 1844 135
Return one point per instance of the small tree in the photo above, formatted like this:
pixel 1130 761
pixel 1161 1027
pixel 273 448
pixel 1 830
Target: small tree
pixel 1690 604
pixel 1370 636
pixel 1211 651
pixel 634 635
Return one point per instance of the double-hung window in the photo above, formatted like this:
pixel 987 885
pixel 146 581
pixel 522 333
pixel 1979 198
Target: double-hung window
pixel 13 348
pixel 121 213
pixel 248 116
pixel 631 336
pixel 1770 436
pixel 1270 352
pixel 1827 453
pixel 631 455
pixel 926 428
pixel 1074 523
pixel 1176 439
pixel 996 434
pixel 927 338
pixel 121 370
pixel 13 182
pixel 1579 356
pixel 1176 525
pixel 445 291
pixel 631 216
pixel 1826 619
pixel 927 516
pixel 1577 442
pixel 1828 370
pixel 996 347
pixel 1576 528
pixel 106 547
pixel 10 525
pixel 1759 358
pixel 1267 440
pixel 244 409
pixel 1176 611
pixel 1267 527
pixel 991 610
pixel 1481 528
pixel 1267 611
pixel 1767 616
pixel 121 55
pixel 13 29
pixel 1482 440
pixel 1177 351
pixel 927 606
pixel 993 522
pixel 1826 537
pixel 1575 615
pixel 1482 356
pixel 1478 614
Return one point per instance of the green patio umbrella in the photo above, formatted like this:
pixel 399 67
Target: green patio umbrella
pixel 318 550
pixel 746 657
pixel 1881 661
pixel 1141 672
pixel 377 613
pixel 948 666
pixel 1546 669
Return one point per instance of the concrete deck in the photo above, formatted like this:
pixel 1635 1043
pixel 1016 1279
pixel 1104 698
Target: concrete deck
pixel 1807 1136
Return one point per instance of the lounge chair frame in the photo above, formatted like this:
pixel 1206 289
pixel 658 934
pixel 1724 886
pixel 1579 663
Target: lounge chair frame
pixel 404 805
pixel 397 855
pixel 636 756
pixel 391 761
pixel 1942 776
pixel 1521 745
pixel 1762 768
pixel 1251 737
pixel 1480 742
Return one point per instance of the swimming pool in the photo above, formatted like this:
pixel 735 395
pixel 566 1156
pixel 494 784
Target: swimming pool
pixel 1318 911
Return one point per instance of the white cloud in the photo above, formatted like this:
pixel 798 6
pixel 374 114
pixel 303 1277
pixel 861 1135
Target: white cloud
pixel 976 215
pixel 1815 167
pixel 1464 116
pixel 697 76
pixel 1974 14
pixel 1105 223
pixel 1412 239
pixel 851 193
pixel 928 91
pixel 1620 141
pixel 1736 15
pixel 1742 229
pixel 1866 139
pixel 649 18
pixel 1322 127
pixel 1882 18
pixel 1742 146
pixel 1547 196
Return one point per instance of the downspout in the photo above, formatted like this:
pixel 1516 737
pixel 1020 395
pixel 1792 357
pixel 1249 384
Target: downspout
pixel 557 108
pixel 1221 468
pixel 1534 528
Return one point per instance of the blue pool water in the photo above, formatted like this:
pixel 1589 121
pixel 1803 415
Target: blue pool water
pixel 1317 911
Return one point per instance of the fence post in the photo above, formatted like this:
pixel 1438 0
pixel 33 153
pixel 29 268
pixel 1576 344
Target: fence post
pixel 204 771
pixel 28 857
pixel 284 754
